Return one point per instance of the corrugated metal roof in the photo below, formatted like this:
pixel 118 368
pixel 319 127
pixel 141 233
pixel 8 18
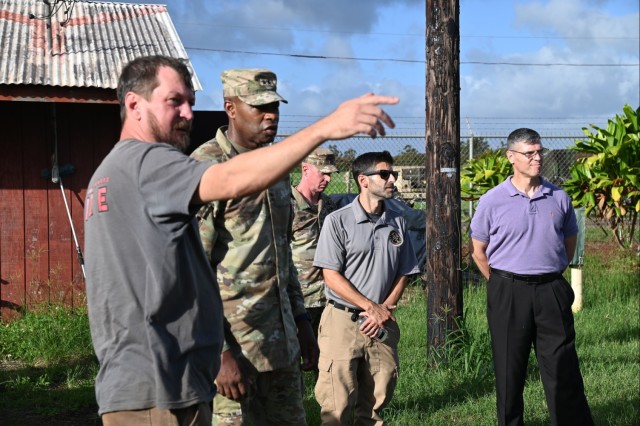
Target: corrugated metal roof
pixel 81 43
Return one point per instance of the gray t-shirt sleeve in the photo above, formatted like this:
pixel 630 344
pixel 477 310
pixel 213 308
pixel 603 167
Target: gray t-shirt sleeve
pixel 168 179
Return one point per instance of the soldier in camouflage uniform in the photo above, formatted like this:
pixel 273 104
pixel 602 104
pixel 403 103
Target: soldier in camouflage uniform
pixel 248 242
pixel 310 207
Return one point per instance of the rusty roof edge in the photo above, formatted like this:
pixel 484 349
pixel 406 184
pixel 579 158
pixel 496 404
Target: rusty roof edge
pixel 178 42
pixel 101 37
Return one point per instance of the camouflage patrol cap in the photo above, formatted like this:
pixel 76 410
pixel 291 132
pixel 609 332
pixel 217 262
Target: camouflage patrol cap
pixel 253 86
pixel 324 159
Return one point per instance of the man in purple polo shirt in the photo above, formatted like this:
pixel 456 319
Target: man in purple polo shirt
pixel 524 232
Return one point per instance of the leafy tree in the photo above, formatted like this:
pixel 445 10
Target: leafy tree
pixel 342 181
pixel 344 162
pixel 334 148
pixel 343 159
pixel 409 157
pixel 483 173
pixel 606 180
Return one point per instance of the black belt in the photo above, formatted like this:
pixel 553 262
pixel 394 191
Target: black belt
pixel 531 279
pixel 342 307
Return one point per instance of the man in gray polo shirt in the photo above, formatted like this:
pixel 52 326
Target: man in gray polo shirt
pixel 524 233
pixel 366 256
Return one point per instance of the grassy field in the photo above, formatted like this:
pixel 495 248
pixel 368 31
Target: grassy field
pixel 47 365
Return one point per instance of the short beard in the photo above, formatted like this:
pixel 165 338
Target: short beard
pixel 173 137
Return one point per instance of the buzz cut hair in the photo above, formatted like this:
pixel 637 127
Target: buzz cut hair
pixel 528 136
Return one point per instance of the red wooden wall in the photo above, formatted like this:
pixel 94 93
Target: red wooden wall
pixel 38 260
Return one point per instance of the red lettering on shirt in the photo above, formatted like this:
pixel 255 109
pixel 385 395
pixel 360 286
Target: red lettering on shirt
pixel 102 199
pixel 101 181
pixel 88 205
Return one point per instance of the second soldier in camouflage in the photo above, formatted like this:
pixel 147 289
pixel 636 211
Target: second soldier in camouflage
pixel 310 206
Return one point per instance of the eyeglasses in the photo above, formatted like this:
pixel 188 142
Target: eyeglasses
pixel 384 174
pixel 531 154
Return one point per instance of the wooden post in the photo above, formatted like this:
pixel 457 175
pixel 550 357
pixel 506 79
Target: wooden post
pixel 442 276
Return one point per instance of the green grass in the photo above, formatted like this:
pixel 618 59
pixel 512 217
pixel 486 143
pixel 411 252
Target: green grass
pixel 336 186
pixel 460 391
pixel 48 367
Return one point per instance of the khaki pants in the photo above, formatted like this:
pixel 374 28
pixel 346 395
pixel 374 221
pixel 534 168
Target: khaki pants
pixel 357 375
pixel 195 415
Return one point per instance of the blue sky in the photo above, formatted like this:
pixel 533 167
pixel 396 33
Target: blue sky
pixel 387 38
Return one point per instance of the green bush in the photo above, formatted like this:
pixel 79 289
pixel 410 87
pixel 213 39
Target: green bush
pixel 483 173
pixel 606 180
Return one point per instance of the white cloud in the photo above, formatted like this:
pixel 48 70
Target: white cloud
pixel 591 36
pixel 524 31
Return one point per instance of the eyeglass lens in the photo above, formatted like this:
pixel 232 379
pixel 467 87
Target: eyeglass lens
pixel 531 154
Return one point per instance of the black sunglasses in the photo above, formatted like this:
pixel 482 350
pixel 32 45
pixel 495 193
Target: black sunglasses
pixel 384 174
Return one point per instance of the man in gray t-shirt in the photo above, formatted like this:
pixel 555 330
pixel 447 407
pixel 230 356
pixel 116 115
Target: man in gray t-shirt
pixel 154 306
pixel 366 255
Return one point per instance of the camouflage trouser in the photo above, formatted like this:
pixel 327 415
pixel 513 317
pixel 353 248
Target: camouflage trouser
pixel 278 400
pixel 315 313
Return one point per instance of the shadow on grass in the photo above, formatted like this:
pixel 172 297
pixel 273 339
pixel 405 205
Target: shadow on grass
pixel 620 336
pixel 60 394
pixel 427 403
pixel 627 412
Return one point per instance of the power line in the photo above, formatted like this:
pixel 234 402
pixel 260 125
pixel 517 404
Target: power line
pixel 551 37
pixel 294 55
pixel 413 61
pixel 402 34
pixel 55 6
pixel 556 64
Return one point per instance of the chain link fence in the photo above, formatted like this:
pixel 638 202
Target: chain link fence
pixel 409 160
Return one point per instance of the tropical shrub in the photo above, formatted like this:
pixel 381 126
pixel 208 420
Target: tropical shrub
pixel 483 173
pixel 606 180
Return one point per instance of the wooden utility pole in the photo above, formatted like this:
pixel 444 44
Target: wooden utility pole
pixel 442 277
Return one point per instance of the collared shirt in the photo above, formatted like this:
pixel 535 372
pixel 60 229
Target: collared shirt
pixel 525 235
pixel 370 255
pixel 307 221
pixel 247 241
